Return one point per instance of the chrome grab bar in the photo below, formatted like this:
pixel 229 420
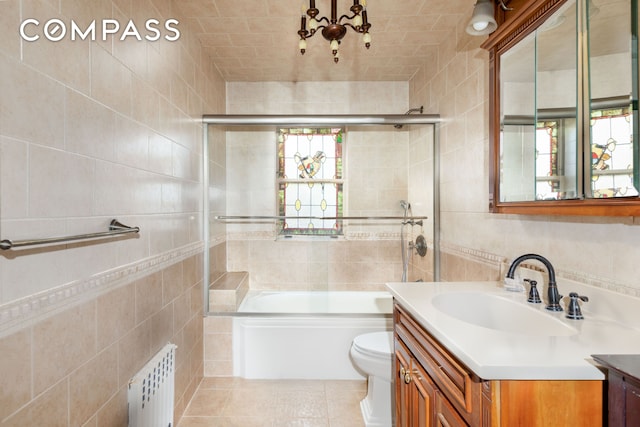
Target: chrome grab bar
pixel 346 218
pixel 115 228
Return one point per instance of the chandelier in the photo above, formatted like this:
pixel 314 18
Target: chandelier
pixel 334 29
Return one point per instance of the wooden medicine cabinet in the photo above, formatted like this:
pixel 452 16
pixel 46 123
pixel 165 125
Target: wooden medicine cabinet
pixel 564 108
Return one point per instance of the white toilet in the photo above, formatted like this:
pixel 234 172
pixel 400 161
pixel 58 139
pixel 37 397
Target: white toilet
pixel 372 354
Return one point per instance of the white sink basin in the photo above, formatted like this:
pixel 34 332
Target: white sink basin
pixel 501 314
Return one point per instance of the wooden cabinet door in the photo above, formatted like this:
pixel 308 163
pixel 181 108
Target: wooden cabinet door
pixel 633 404
pixel 415 392
pixel 422 398
pixel 402 366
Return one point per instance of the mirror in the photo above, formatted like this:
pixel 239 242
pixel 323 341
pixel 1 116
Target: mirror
pixel 562 116
pixel 613 82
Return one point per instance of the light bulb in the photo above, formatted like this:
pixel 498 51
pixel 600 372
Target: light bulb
pixel 357 21
pixel 313 24
pixel 334 46
pixel 302 44
pixel 480 25
pixel 366 38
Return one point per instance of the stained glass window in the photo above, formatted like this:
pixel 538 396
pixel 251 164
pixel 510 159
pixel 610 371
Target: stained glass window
pixel 612 153
pixel 310 181
pixel 547 183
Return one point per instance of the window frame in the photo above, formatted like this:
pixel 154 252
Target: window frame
pixel 283 181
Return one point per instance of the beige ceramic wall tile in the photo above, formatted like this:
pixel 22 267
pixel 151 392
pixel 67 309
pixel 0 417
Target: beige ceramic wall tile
pixel 131 51
pixel 134 348
pixel 42 55
pixel 215 368
pixel 172 283
pixel 93 384
pixel 97 141
pixel 116 315
pixel 114 412
pixel 61 184
pixel 218 347
pixel 148 296
pixel 62 343
pixel 181 311
pixel 9 21
pixel 51 408
pixel 191 270
pixel 110 81
pixel 131 143
pixel 15 372
pixel 162 327
pixel 14 179
pixel 215 324
pixel 28 96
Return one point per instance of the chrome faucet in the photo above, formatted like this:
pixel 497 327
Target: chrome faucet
pixel 552 291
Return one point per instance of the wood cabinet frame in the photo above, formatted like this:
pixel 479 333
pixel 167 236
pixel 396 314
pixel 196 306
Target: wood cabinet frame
pixel 440 391
pixel 513 26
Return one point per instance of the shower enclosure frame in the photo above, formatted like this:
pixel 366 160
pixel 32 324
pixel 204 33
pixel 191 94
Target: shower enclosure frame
pixel 397 120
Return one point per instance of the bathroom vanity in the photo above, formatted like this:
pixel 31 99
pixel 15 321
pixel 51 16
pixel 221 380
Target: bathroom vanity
pixel 434 389
pixel 454 367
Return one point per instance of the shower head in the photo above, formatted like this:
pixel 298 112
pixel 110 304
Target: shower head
pixel 415 110
pixel 412 110
pixel 404 204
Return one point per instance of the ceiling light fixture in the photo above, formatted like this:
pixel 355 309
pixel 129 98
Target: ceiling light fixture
pixel 482 21
pixel 334 29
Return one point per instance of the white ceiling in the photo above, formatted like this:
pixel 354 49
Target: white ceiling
pixel 257 40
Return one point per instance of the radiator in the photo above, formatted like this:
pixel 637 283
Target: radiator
pixel 151 391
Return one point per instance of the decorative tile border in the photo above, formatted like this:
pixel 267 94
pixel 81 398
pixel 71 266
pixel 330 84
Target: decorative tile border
pixel 599 282
pixel 29 310
pixel 579 277
pixel 472 253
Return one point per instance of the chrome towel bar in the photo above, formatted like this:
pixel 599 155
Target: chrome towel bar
pixel 115 228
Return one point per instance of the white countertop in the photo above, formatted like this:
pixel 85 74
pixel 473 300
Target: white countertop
pixel 498 354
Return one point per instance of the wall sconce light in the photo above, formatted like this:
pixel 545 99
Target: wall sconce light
pixel 482 21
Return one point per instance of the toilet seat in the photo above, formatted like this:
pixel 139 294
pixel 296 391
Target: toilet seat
pixel 375 344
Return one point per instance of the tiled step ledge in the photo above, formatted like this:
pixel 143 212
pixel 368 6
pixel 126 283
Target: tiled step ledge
pixel 227 292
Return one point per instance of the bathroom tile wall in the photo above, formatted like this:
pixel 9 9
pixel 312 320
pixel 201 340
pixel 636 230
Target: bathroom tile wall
pixel 367 258
pixel 72 368
pixel 90 131
pixel 376 162
pixel 421 195
pixel 476 244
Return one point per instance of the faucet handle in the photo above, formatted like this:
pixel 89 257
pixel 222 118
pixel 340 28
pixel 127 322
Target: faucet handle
pixel 574 311
pixel 534 296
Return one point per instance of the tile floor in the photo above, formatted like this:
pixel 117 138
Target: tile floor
pixel 238 402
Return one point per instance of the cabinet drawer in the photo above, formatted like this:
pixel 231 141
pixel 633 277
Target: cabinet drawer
pixel 452 378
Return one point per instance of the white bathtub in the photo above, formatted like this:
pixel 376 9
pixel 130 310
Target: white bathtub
pixel 304 335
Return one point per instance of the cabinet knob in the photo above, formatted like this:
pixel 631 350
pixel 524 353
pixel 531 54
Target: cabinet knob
pixel 407 377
